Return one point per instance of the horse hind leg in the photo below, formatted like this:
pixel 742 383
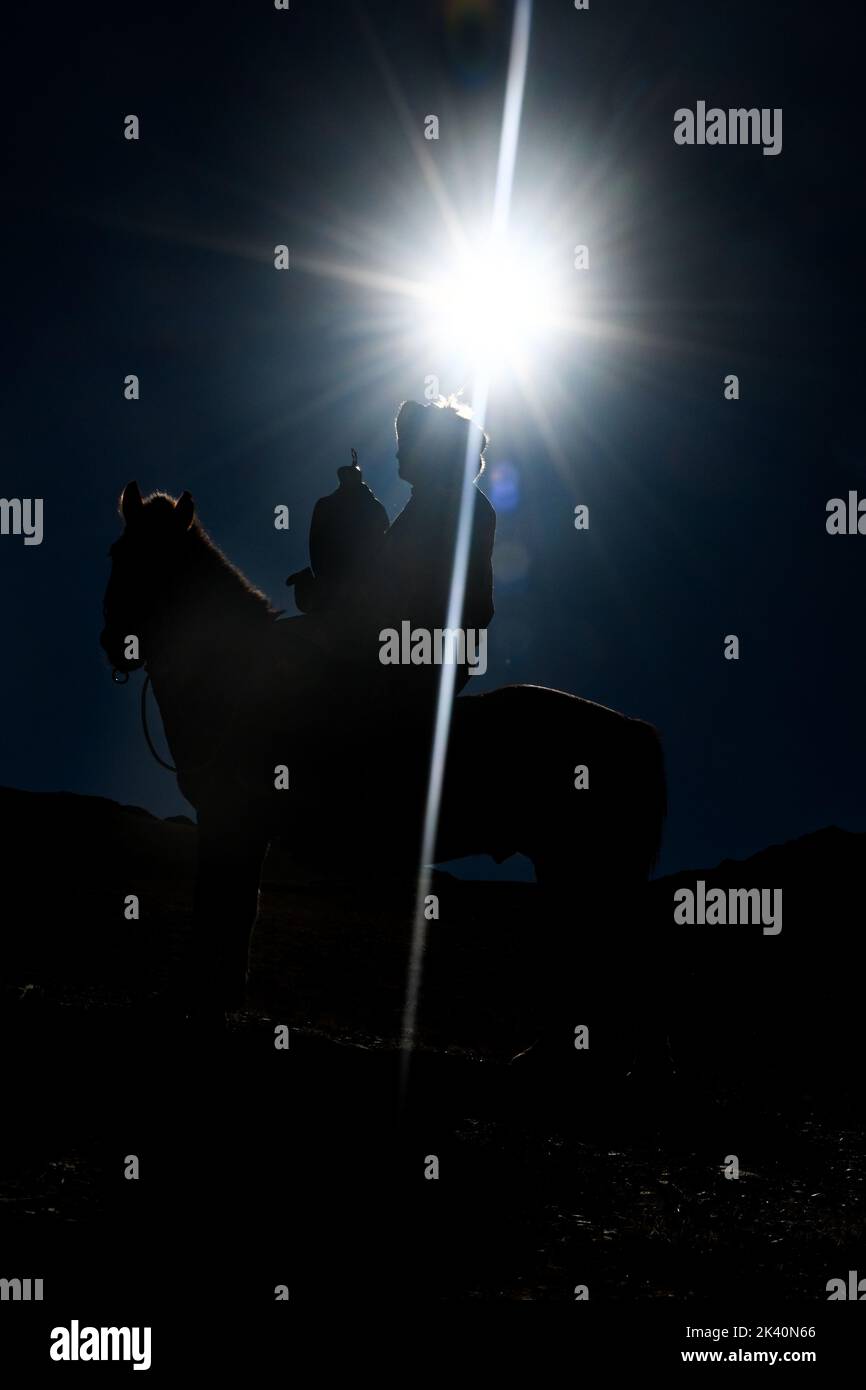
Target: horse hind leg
pixel 591 876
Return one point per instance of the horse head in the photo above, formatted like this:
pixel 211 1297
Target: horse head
pixel 147 562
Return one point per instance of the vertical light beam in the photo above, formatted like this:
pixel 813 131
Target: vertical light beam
pixel 513 107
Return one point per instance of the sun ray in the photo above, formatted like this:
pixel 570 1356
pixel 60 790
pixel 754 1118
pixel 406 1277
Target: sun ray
pixel 515 85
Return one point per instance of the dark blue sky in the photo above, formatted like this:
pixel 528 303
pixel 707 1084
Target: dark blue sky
pixel 707 517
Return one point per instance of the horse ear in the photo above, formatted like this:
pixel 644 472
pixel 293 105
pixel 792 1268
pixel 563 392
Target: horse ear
pixel 184 511
pixel 130 502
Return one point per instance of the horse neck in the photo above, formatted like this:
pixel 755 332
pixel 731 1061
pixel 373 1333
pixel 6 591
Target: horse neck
pixel 200 667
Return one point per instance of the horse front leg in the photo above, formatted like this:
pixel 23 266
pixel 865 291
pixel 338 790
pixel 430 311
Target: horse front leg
pixel 225 908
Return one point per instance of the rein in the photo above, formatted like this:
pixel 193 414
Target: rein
pixel 144 689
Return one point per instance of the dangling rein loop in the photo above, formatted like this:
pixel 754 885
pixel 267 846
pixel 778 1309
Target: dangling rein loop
pixel 168 767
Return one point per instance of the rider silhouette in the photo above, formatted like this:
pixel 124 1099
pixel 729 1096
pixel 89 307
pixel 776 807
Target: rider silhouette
pixel 366 577
pixel 436 445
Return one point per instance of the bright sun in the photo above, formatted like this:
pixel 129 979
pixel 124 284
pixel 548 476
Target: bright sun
pixel 491 309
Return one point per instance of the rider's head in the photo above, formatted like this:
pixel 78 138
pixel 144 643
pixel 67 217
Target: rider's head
pixel 434 442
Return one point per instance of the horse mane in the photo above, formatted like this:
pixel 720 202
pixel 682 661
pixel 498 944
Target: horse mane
pixel 214 582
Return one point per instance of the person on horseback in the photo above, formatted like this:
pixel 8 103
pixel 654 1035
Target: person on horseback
pixel 367 579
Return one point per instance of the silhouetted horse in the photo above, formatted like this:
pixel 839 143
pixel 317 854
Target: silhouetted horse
pixel 243 695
